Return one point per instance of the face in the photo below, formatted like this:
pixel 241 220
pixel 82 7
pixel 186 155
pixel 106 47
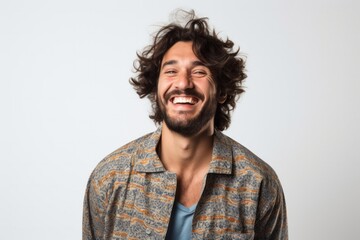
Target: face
pixel 186 91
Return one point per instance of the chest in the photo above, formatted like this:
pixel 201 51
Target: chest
pixel 141 208
pixel 189 190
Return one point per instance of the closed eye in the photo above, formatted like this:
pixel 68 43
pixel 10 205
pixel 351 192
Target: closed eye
pixel 170 72
pixel 199 73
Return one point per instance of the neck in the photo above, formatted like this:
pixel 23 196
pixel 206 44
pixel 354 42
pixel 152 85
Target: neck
pixel 182 154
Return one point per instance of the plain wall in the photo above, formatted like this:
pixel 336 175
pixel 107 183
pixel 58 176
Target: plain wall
pixel 65 103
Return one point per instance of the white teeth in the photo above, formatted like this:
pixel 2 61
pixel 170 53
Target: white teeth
pixel 189 100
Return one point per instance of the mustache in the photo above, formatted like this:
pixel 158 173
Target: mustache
pixel 188 92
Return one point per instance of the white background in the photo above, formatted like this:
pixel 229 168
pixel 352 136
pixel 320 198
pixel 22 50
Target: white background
pixel 65 103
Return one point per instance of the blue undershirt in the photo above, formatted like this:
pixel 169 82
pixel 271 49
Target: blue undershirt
pixel 180 225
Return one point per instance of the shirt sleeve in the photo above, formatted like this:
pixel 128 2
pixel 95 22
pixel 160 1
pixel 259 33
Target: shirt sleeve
pixel 93 212
pixel 271 220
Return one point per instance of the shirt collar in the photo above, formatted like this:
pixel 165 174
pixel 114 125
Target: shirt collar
pixel 146 158
pixel 222 157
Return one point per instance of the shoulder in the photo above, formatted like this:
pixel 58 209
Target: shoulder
pixel 259 174
pixel 120 161
pixel 246 160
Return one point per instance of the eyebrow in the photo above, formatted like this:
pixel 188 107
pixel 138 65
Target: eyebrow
pixel 172 62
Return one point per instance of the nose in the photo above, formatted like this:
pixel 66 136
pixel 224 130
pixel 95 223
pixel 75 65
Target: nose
pixel 184 81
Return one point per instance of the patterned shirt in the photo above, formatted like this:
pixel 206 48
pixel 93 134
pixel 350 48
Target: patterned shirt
pixel 130 195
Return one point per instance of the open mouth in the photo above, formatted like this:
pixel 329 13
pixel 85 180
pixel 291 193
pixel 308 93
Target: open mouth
pixel 184 100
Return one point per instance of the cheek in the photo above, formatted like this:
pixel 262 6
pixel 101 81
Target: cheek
pixel 159 86
pixel 160 93
pixel 163 87
pixel 211 86
pixel 211 90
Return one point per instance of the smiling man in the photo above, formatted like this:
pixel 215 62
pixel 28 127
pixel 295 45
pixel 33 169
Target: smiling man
pixel 186 180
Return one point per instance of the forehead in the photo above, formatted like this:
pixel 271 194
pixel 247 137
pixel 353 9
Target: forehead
pixel 180 50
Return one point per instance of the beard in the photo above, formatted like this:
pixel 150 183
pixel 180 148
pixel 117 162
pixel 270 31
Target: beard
pixel 190 126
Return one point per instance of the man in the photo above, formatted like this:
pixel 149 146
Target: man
pixel 186 180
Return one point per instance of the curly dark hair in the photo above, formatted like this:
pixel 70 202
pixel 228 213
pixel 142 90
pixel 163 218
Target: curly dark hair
pixel 225 64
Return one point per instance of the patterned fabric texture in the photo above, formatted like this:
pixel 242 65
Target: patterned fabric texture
pixel 130 195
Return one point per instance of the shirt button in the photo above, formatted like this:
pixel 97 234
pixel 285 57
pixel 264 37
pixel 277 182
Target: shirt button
pixel 148 231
